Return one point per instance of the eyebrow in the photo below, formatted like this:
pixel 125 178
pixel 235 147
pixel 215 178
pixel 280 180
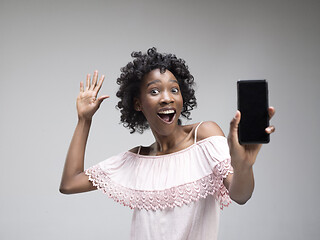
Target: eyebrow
pixel 157 80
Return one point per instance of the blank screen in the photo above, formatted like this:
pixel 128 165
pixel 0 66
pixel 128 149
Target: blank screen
pixel 253 105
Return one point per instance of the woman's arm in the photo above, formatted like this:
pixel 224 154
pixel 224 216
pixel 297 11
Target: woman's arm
pixel 73 178
pixel 241 183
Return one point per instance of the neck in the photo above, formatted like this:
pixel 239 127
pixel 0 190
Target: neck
pixel 165 144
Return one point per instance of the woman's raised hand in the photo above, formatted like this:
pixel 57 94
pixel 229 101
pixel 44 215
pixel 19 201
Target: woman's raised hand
pixel 87 101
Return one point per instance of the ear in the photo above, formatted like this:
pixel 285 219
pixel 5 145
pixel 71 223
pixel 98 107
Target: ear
pixel 137 105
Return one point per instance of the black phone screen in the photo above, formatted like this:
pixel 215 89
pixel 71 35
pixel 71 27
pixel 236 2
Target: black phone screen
pixel 253 105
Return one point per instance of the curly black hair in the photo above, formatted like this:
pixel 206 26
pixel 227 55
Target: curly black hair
pixel 131 78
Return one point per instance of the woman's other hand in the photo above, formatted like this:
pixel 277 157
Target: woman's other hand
pixel 87 102
pixel 244 156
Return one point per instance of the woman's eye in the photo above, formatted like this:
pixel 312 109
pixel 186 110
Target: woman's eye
pixel 175 90
pixel 154 91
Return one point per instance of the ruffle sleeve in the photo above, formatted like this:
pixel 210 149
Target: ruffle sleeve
pixel 159 182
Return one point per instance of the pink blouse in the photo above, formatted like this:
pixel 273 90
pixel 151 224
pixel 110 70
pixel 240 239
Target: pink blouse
pixel 174 196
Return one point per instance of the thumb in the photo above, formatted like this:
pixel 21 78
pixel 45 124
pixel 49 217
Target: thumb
pixel 233 132
pixel 101 98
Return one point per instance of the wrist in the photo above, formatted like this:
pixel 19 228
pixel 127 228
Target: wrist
pixel 82 120
pixel 242 162
pixel 242 169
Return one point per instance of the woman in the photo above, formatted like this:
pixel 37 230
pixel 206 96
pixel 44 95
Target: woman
pixel 177 184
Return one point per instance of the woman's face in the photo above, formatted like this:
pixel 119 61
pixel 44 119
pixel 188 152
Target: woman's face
pixel 160 100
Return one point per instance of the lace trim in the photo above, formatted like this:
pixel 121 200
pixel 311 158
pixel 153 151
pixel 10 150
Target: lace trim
pixel 172 197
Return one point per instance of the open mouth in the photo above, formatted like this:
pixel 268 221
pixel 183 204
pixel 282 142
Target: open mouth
pixel 167 116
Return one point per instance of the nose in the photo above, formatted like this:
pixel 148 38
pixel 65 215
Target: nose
pixel 166 97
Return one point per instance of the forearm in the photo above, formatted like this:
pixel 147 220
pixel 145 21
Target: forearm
pixel 74 163
pixel 242 185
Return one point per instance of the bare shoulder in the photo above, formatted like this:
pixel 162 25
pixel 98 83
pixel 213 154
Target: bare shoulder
pixel 208 129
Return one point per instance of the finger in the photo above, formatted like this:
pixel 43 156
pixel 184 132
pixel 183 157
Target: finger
pixel 94 80
pixel 235 122
pixel 97 88
pixel 81 87
pixel 270 129
pixel 233 132
pixel 271 112
pixel 88 81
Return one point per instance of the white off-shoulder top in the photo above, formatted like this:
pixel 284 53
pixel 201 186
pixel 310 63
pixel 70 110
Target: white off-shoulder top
pixel 175 196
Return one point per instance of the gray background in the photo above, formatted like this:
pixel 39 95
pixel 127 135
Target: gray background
pixel 48 47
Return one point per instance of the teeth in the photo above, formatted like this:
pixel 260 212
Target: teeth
pixel 166 112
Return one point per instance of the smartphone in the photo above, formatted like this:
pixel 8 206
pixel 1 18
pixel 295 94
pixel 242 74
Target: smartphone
pixel 253 105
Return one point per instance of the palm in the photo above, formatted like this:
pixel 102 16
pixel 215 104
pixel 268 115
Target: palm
pixel 86 103
pixel 249 153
